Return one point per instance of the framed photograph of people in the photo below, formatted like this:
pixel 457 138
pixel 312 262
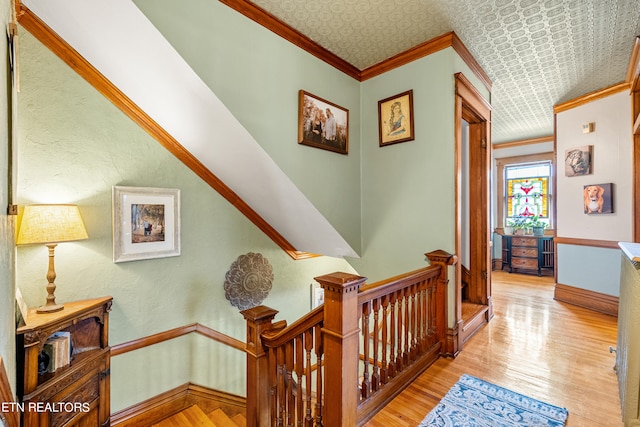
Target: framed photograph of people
pixel 146 223
pixel 322 124
pixel 395 119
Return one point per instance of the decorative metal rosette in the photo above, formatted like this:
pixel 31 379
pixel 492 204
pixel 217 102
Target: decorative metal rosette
pixel 248 281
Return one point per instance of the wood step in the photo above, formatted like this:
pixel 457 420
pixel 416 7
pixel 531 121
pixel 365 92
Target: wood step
pixel 220 419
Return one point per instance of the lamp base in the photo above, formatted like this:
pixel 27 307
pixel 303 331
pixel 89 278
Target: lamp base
pixel 49 308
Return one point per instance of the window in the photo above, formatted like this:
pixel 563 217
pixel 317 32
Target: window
pixel 527 190
pixel 525 187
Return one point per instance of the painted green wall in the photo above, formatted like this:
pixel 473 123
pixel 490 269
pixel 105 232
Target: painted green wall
pixel 407 188
pixel 257 75
pixel 74 145
pixel 7 295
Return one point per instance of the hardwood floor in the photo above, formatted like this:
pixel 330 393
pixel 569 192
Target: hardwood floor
pixel 534 345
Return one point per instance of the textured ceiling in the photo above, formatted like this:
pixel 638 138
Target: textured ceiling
pixel 536 53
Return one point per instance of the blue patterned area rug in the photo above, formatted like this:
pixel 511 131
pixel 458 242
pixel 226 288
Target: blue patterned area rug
pixel 472 402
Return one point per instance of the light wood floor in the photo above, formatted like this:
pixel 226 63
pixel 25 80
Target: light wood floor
pixel 551 351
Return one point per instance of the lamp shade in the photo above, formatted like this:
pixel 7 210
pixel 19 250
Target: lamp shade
pixel 51 224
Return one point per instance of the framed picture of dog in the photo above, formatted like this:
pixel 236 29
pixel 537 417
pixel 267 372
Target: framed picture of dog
pixel 598 199
pixel 578 161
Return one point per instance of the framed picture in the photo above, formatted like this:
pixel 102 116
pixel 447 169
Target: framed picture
pixel 395 119
pixel 578 161
pixel 317 295
pixel 322 124
pixel 146 223
pixel 21 309
pixel 598 199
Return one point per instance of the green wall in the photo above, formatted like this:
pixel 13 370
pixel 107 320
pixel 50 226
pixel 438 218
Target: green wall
pixel 393 203
pixel 407 188
pixel 7 295
pixel 74 145
pixel 257 75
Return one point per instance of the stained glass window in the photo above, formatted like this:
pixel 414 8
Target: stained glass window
pixel 527 190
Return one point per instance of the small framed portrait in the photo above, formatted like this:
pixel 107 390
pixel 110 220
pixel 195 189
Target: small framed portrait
pixel 322 124
pixel 395 119
pixel 598 199
pixel 578 161
pixel 317 295
pixel 146 223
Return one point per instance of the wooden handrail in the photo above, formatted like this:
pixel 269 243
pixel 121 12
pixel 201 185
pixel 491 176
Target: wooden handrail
pixel 364 344
pixel 386 286
pixel 276 338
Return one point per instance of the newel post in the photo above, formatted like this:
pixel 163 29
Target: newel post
pixel 341 337
pixel 444 259
pixel 259 319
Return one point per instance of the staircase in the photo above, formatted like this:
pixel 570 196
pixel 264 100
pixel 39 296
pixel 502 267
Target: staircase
pixel 194 416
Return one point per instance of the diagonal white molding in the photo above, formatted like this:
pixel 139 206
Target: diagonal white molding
pixel 119 41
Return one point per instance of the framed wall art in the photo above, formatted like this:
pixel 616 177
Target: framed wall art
pixel 317 295
pixel 322 124
pixel 146 223
pixel 598 199
pixel 395 119
pixel 578 161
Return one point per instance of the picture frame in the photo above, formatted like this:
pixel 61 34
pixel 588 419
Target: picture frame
pixel 322 124
pixel 598 199
pixel 395 119
pixel 317 295
pixel 146 223
pixel 578 161
pixel 21 309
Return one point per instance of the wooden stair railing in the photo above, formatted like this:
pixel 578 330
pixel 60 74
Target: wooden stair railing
pixel 342 362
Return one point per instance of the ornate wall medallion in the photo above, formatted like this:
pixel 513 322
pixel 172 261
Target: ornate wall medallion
pixel 248 281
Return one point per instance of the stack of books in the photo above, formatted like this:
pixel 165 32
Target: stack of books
pixel 57 350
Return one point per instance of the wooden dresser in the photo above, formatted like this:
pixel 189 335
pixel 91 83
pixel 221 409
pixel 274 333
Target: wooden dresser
pixel 528 254
pixel 76 394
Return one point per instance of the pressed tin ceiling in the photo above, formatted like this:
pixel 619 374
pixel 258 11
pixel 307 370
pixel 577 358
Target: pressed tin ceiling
pixel 536 53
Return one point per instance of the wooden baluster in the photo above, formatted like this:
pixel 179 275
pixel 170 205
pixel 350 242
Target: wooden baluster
pixel 365 386
pixel 282 391
pixel 413 290
pixel 399 327
pixel 424 319
pixel 375 378
pixel 407 326
pixel 299 370
pixel 289 384
pixel 319 385
pixel 273 380
pixel 432 313
pixel 308 346
pixel 392 338
pixel 384 372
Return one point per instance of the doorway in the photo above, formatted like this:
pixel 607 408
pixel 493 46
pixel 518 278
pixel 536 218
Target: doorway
pixel 473 306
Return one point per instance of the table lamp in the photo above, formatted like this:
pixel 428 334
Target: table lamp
pixel 51 224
